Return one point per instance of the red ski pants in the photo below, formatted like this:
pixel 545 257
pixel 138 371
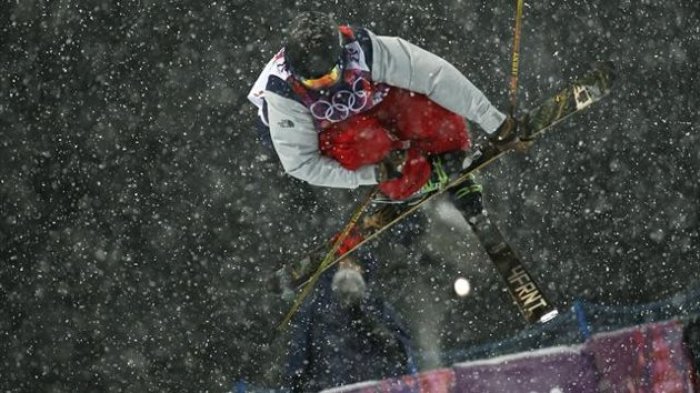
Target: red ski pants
pixel 367 138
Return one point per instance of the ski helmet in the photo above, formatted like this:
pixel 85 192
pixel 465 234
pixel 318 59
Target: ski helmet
pixel 314 45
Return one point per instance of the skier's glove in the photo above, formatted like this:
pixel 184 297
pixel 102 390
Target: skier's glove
pixel 507 137
pixel 390 168
pixel 413 173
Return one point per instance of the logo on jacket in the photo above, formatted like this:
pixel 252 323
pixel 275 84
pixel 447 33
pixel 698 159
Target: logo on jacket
pixel 286 123
pixel 343 103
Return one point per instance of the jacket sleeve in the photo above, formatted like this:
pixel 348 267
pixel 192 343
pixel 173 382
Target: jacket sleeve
pixel 295 139
pixel 399 63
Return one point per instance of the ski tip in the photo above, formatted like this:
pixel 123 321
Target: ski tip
pixel 548 316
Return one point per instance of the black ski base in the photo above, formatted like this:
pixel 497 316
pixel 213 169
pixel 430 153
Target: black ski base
pixel 528 296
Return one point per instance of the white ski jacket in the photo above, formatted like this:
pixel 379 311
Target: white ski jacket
pixel 389 60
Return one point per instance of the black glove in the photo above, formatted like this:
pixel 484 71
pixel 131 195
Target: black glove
pixel 391 167
pixel 507 137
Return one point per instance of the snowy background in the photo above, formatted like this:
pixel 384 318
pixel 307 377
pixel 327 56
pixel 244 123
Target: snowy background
pixel 139 217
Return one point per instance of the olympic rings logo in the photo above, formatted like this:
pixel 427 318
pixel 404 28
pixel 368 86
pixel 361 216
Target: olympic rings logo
pixel 343 104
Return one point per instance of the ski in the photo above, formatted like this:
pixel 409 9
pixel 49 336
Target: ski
pixel 527 295
pixel 577 96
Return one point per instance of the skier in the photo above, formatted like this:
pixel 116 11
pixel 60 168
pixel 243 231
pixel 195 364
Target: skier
pixel 346 108
pixel 345 333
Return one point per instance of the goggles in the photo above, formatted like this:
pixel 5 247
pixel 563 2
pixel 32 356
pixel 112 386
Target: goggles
pixel 329 79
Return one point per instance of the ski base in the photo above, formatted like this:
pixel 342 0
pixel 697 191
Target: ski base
pixel 529 298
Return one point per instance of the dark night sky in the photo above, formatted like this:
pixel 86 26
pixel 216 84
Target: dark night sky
pixel 139 216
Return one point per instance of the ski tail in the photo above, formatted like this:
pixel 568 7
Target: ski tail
pixel 529 298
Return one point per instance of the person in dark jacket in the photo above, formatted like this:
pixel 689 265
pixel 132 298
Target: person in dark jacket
pixel 344 333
